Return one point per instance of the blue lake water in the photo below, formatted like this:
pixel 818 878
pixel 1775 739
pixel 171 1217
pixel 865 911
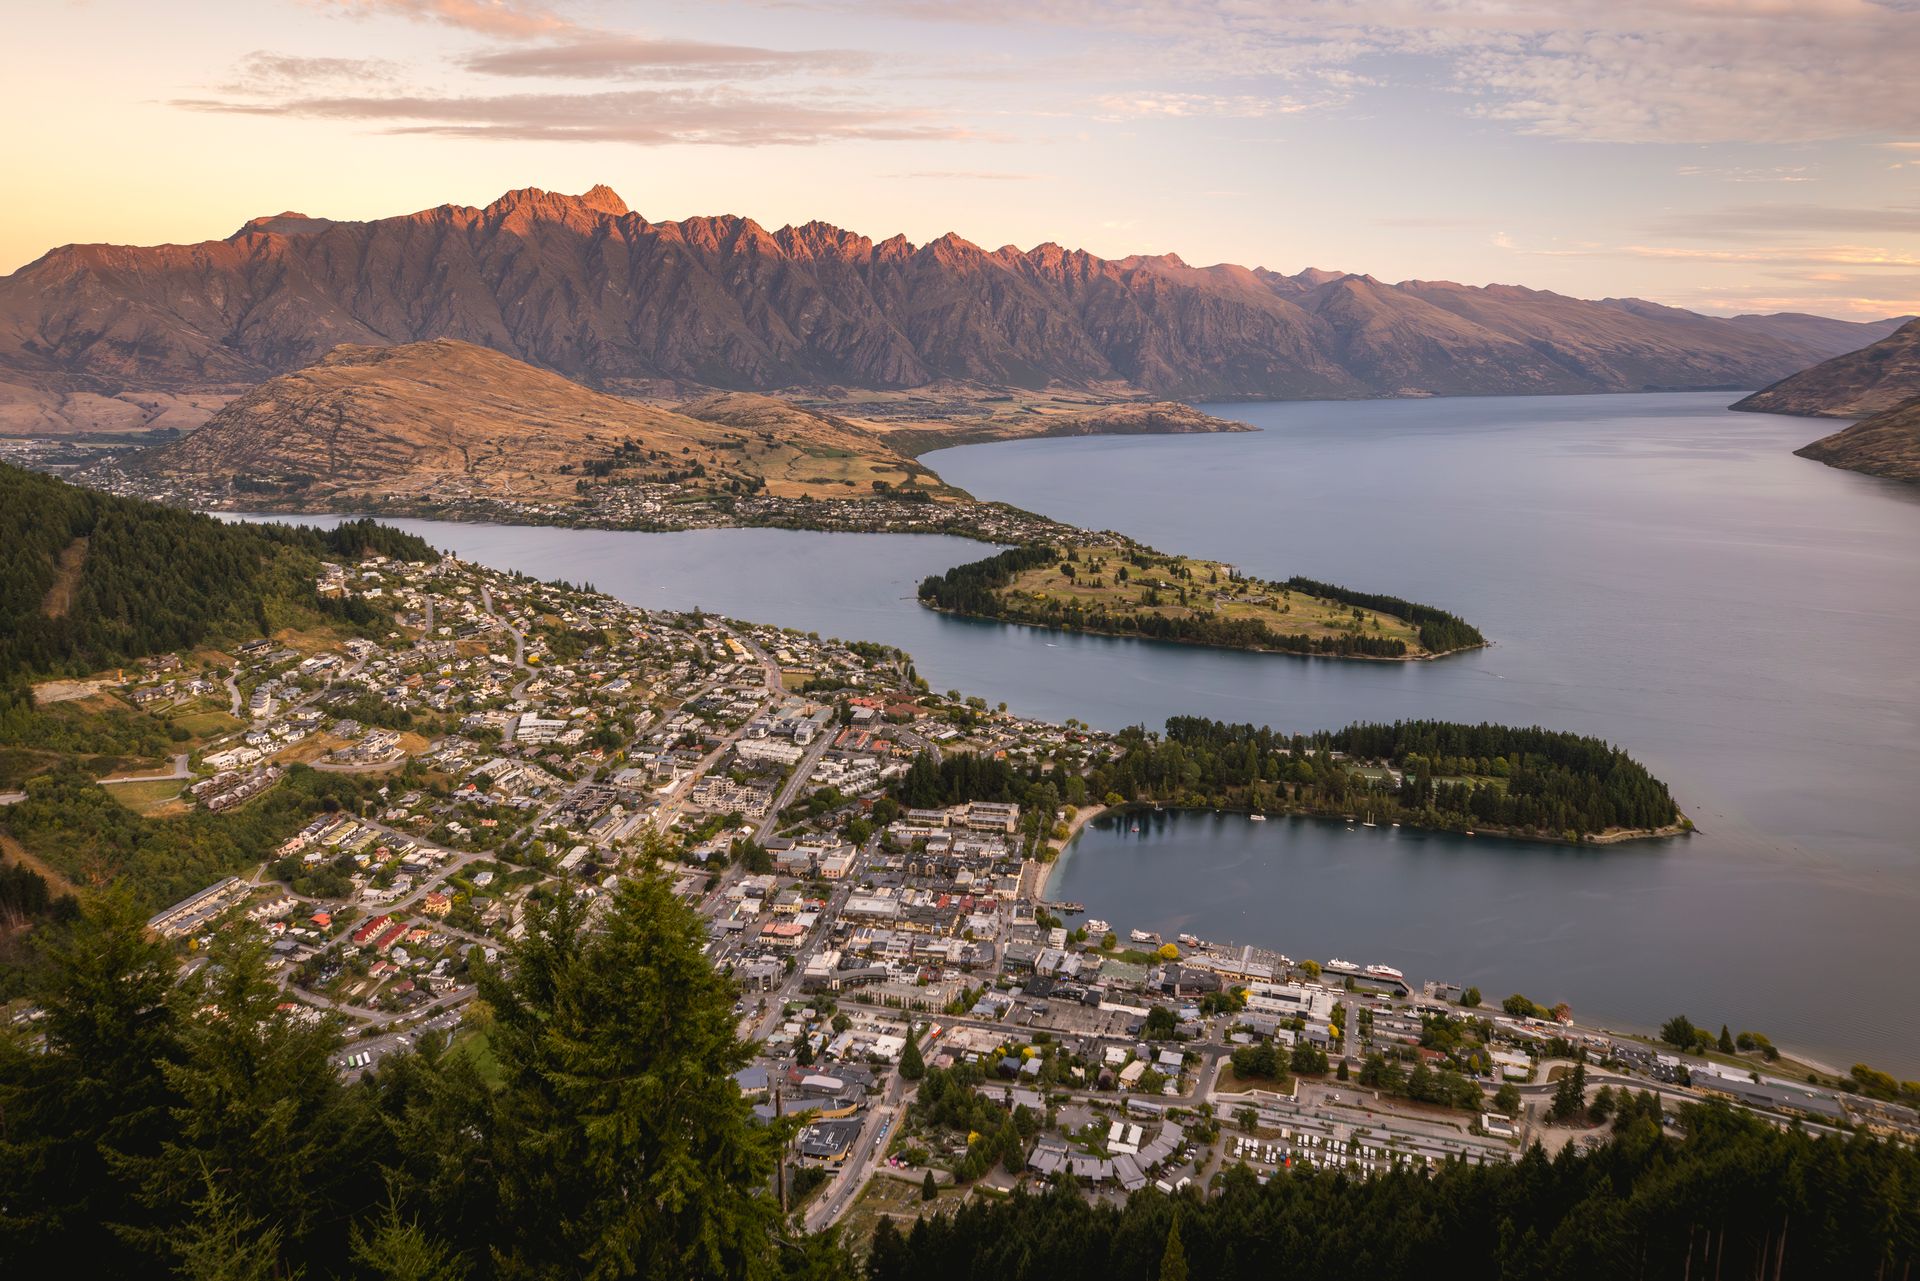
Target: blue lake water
pixel 1651 568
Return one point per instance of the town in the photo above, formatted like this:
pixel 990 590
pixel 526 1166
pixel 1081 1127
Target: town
pixel 909 989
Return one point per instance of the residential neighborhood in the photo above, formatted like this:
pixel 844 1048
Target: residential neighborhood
pixel 910 992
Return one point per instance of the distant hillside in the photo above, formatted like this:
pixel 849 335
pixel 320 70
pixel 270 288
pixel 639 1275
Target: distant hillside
pixel 442 420
pixel 89 580
pixel 1822 334
pixel 582 286
pixel 1886 444
pixel 1867 381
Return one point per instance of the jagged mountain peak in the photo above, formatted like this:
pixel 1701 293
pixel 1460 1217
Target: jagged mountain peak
pixel 617 302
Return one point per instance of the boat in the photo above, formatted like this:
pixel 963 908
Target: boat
pixel 1385 972
pixel 1339 966
pixel 1136 827
pixel 1256 818
pixel 1369 820
pixel 1097 926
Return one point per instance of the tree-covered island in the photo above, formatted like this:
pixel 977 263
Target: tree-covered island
pixel 1494 780
pixel 1131 590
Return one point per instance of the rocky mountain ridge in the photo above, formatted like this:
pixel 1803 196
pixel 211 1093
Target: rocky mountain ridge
pixel 585 287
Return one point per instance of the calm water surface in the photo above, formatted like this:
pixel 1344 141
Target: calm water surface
pixel 1653 569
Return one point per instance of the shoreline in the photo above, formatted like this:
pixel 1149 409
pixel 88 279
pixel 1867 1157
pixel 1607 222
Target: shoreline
pixel 1427 657
pixel 1612 836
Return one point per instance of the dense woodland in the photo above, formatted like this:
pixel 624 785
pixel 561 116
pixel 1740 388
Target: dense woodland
pixel 191 1128
pixel 90 580
pixel 1732 1198
pixel 1491 777
pixel 973 589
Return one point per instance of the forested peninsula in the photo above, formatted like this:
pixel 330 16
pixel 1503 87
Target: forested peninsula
pixel 1492 780
pixel 1125 589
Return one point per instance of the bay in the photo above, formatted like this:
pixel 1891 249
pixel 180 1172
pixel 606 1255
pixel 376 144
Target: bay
pixel 1651 568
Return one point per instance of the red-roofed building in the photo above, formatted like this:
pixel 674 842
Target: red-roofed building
pixel 371 928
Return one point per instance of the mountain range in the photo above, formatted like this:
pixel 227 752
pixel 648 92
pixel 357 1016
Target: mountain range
pixel 584 287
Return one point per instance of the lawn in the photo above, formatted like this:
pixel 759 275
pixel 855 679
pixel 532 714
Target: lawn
pixel 473 1045
pixel 208 724
pixel 150 798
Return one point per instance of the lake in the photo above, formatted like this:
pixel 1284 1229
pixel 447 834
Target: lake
pixel 1651 568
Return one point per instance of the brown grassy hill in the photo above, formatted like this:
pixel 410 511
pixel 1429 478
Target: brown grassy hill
pixel 1887 444
pixel 1867 381
pixel 444 420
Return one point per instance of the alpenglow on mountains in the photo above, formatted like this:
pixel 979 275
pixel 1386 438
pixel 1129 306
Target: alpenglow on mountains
pixel 584 287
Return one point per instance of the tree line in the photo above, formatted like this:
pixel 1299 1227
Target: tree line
pixel 154 1125
pixel 1731 1197
pixel 1440 631
pixel 1452 776
pixel 136 578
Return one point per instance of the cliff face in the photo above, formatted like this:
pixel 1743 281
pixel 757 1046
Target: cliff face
pixel 582 286
pixel 1867 381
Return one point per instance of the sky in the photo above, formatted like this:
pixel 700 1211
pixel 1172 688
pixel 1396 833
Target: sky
pixel 1723 155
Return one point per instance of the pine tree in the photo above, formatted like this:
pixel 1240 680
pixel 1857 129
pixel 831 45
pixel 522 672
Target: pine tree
pixel 1173 1260
pixel 912 1066
pixel 80 1112
pixel 400 1250
pixel 624 1147
pixel 1569 1097
pixel 262 1111
pixel 1726 1040
pixel 223 1242
pixel 928 1188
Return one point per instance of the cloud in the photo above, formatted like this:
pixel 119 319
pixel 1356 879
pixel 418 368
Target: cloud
pixel 1738 173
pixel 603 56
pixel 1751 221
pixel 965 175
pixel 265 72
pixel 712 117
pixel 1623 71
pixel 502 19
pixel 1776 256
pixel 1137 105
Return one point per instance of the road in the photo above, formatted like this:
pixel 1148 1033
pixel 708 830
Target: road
pixel 669 810
pixel 519 640
pixel 791 789
pixel 179 771
pixel 870 1149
